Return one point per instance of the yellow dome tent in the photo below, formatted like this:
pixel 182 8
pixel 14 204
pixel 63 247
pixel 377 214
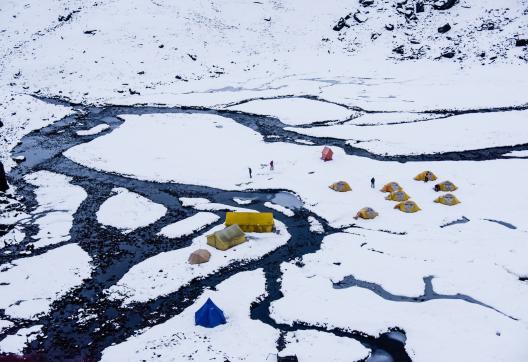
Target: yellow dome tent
pixel 227 238
pixel 426 174
pixel 445 186
pixel 251 222
pixel 407 206
pixel 340 186
pixel 398 196
pixel 448 199
pixel 391 187
pixel 366 213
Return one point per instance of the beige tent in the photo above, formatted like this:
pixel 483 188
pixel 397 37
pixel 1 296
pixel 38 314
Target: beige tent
pixel 227 238
pixel 340 186
pixel 199 256
pixel 366 213
pixel 391 187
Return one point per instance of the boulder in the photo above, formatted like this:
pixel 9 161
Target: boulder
pixel 521 42
pixel 3 179
pixel 444 28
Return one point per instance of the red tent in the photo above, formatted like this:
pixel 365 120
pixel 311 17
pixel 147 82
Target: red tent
pixel 327 154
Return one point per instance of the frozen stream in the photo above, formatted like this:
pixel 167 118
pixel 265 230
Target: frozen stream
pixel 84 322
pixel 68 335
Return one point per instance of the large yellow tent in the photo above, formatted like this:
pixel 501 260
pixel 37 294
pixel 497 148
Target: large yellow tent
pixel 251 222
pixel 426 174
pixel 366 213
pixel 391 187
pixel 445 186
pixel 340 186
pixel 448 199
pixel 407 206
pixel 398 196
pixel 226 238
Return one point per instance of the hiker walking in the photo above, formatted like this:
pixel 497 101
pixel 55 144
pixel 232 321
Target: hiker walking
pixel 372 182
pixel 271 166
pixel 250 172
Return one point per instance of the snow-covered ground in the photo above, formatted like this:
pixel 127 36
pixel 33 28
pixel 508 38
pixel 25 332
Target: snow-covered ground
pixel 457 133
pixel 241 339
pixel 379 75
pixel 127 211
pixel 58 200
pixel 29 286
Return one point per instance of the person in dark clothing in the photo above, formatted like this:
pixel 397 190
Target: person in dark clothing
pixel 250 172
pixel 271 166
pixel 3 180
pixel 373 182
pixel 426 178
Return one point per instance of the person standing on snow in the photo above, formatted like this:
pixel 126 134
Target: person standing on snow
pixel 250 172
pixel 373 182
pixel 271 166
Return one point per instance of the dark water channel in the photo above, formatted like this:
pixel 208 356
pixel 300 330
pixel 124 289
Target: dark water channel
pixel 67 334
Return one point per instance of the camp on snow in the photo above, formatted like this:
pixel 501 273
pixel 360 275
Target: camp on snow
pixel 447 199
pixel 425 176
pixel 366 213
pixel 407 206
pixel 340 186
pixel 227 238
pixel 327 154
pixel 209 315
pixel 391 187
pixel 199 256
pixel 251 222
pixel 398 196
pixel 445 186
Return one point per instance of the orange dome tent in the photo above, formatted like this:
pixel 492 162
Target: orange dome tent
pixel 340 186
pixel 445 186
pixel 448 199
pixel 426 175
pixel 366 213
pixel 407 206
pixel 398 196
pixel 391 187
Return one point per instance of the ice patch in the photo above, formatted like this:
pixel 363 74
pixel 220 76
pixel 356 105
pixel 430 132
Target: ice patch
pixel 94 130
pixel 128 211
pixel 189 225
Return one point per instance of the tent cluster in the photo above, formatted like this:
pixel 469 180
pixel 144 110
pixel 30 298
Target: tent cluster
pixel 397 194
pixel 237 223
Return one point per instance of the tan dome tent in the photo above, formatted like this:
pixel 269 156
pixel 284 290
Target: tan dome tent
pixel 445 186
pixel 391 187
pixel 448 199
pixel 199 256
pixel 426 175
pixel 227 238
pixel 407 206
pixel 340 186
pixel 366 213
pixel 398 196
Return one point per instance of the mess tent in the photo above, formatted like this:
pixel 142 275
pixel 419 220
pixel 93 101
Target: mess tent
pixel 251 222
pixel 327 154
pixel 199 256
pixel 398 196
pixel 209 315
pixel 407 206
pixel 227 238
pixel 340 186
pixel 366 213
pixel 391 187
pixel 448 199
pixel 445 186
pixel 425 176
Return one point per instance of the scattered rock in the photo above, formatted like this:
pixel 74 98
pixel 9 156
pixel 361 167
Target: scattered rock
pixel 192 56
pixel 90 32
pixel 132 92
pixel 161 46
pixel 366 3
pixel 19 159
pixel 398 50
pixel 444 28
pixel 420 8
pixel 444 4
pixel 141 73
pixel 448 54
pixel 340 25
pixel 389 27
pixel 521 42
pixel 3 180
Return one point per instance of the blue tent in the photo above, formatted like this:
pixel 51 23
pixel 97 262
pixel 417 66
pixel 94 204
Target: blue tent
pixel 209 315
